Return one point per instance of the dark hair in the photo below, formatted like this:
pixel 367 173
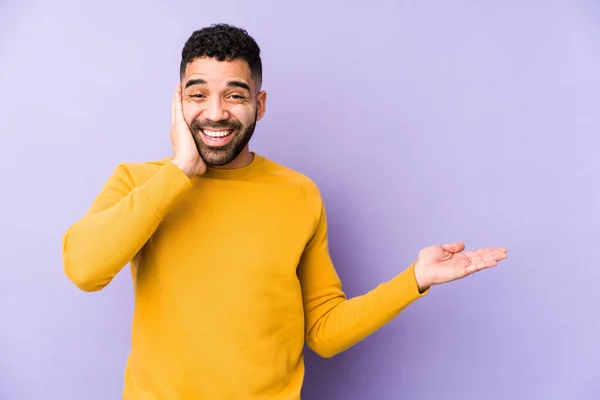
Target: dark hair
pixel 223 42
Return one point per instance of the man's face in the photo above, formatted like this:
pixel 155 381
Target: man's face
pixel 221 104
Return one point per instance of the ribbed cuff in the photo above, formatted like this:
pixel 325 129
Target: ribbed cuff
pixel 400 292
pixel 164 188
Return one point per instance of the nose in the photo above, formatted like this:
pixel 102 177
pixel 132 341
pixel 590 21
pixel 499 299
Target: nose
pixel 215 111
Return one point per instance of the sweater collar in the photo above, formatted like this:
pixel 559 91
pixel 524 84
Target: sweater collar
pixel 243 173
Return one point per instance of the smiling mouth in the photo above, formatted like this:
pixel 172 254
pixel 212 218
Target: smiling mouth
pixel 217 134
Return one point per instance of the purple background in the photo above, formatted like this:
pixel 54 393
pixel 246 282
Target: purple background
pixel 422 122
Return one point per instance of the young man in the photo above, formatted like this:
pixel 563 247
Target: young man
pixel 228 250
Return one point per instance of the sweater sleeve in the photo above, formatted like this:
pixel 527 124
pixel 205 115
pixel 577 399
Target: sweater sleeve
pixel 120 221
pixel 333 322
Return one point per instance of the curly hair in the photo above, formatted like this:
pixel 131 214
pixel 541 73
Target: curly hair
pixel 223 42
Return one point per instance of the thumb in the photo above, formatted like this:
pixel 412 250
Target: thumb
pixel 455 247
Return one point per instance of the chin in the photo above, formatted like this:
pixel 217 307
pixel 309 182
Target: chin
pixel 217 161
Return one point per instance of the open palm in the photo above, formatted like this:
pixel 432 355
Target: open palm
pixel 441 264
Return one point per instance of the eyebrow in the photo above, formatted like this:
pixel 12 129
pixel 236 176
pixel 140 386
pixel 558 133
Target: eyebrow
pixel 192 82
pixel 238 84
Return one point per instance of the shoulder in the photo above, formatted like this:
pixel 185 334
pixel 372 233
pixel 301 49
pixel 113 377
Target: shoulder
pixel 310 190
pixel 135 173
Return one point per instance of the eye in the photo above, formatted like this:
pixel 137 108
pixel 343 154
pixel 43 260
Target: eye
pixel 197 95
pixel 237 97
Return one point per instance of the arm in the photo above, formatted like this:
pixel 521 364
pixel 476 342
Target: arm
pixel 333 322
pixel 120 221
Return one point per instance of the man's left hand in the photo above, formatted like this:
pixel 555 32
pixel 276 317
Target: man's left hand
pixel 441 264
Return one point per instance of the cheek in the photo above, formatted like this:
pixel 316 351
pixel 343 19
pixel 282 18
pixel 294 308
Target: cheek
pixel 190 111
pixel 245 115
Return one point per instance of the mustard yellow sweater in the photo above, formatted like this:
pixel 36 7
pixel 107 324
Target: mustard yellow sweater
pixel 231 274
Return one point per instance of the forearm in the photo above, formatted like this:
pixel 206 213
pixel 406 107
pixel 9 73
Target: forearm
pixel 345 322
pixel 100 244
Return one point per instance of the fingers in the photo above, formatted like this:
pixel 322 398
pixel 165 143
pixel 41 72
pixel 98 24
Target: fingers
pixel 455 247
pixel 478 262
pixel 477 265
pixel 495 253
pixel 178 105
pixel 173 108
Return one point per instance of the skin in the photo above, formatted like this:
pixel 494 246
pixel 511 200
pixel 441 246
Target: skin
pixel 214 95
pixel 221 94
pixel 440 264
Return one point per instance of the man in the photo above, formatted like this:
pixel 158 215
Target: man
pixel 228 250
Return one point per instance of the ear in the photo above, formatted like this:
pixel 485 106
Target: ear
pixel 261 104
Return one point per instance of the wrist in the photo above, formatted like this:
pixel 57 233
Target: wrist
pixel 186 168
pixel 422 283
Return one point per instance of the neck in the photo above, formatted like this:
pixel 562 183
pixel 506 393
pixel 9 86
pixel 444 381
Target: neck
pixel 242 160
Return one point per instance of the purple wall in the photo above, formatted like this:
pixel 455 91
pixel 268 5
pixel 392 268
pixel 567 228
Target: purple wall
pixel 422 122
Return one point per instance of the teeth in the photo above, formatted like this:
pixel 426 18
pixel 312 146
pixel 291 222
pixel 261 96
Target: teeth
pixel 216 134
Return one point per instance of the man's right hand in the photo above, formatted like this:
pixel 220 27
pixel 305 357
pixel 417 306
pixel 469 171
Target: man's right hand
pixel 185 152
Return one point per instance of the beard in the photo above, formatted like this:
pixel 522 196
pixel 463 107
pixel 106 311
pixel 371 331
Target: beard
pixel 221 155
